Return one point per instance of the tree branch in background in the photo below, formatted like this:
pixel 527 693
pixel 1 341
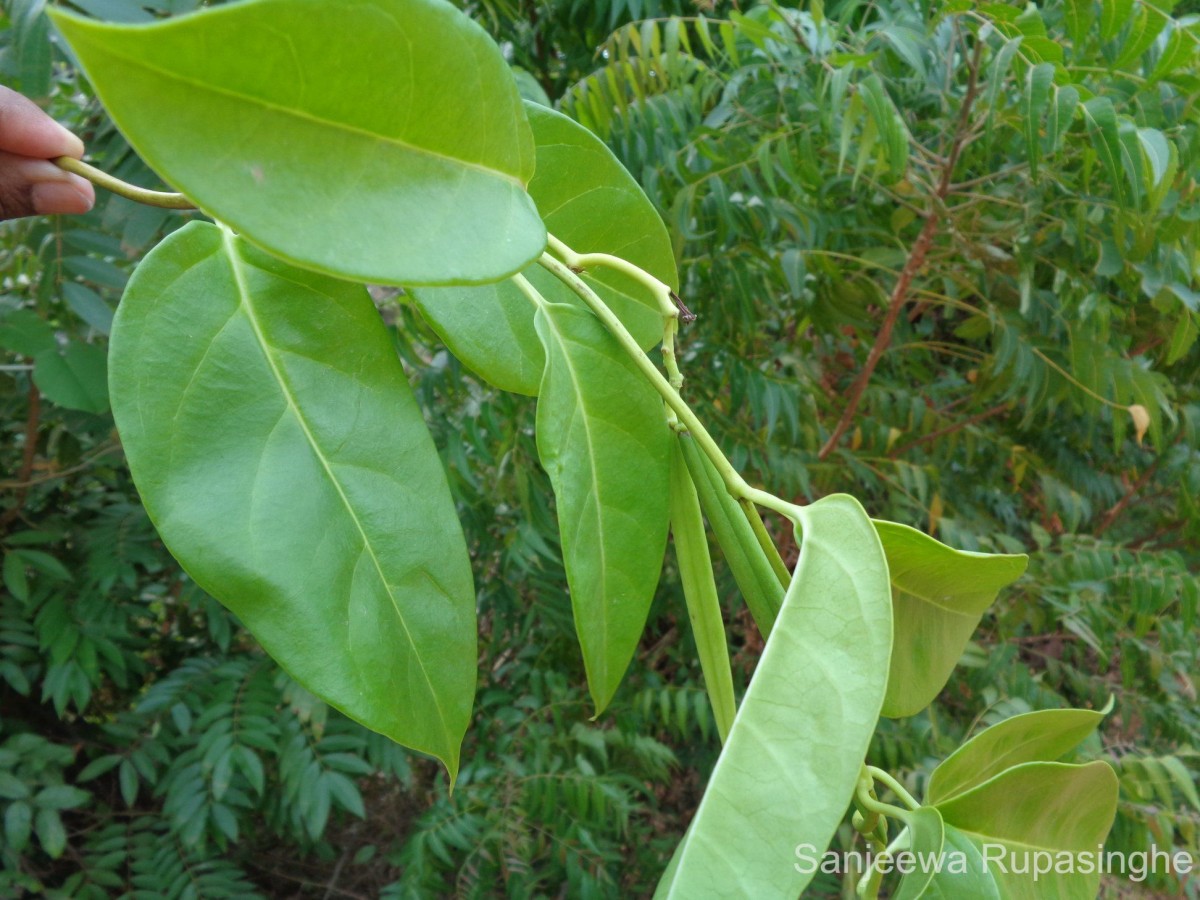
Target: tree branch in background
pixel 916 258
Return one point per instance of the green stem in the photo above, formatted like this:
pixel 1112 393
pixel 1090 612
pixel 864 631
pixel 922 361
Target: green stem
pixel 734 482
pixel 894 786
pixel 123 188
pixel 770 551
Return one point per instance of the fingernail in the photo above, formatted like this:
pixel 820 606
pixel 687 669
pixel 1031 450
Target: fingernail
pixel 73 143
pixel 54 197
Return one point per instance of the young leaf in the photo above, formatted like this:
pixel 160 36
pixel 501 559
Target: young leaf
pixel 700 591
pixel 603 440
pixel 1041 736
pixel 592 204
pixel 281 455
pixel 938 595
pixel 751 569
pixel 969 880
pixel 790 766
pixel 1039 806
pixel 926 837
pixel 379 140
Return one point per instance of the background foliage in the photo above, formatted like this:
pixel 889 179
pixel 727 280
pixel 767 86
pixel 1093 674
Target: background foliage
pixel 1011 187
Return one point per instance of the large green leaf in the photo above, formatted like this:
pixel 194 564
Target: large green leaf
pixel 593 205
pixel 1036 814
pixel 926 836
pixel 1039 736
pixel 939 595
pixel 381 140
pixel 795 752
pixel 603 439
pixel 284 461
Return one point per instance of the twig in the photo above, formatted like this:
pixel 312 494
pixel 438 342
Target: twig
pixel 1119 507
pixel 950 429
pixel 916 259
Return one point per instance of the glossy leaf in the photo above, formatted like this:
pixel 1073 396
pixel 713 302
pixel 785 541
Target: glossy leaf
pixel 939 595
pixel 700 591
pixel 380 140
pixel 281 455
pixel 1040 736
pixel 593 205
pixel 1043 807
pixel 751 569
pixel 926 835
pixel 603 439
pixel 790 766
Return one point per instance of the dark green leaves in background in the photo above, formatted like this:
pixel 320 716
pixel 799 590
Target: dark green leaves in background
pixel 281 456
pixel 603 439
pixel 380 140
pixel 592 204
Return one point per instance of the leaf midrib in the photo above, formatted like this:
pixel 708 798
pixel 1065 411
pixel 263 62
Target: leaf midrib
pixel 305 116
pixel 235 263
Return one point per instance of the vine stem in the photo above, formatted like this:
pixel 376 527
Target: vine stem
pixel 894 786
pixel 123 188
pixel 734 482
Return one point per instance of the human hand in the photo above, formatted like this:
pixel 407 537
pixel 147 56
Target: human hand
pixel 30 184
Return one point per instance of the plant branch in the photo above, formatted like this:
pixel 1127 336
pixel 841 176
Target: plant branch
pixel 734 483
pixel 1117 508
pixel 916 259
pixel 950 429
pixel 123 188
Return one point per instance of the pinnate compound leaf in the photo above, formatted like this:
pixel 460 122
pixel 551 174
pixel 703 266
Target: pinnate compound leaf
pixel 603 440
pixel 1033 816
pixel 281 455
pixel 379 140
pixel 938 595
pixel 591 203
pixel 1041 736
pixel 786 775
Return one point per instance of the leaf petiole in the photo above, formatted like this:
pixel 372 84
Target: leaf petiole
pixel 123 188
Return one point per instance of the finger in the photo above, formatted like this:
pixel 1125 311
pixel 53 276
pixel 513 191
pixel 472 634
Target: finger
pixel 27 131
pixel 30 187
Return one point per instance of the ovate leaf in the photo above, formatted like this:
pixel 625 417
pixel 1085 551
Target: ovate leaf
pixel 939 595
pixel 1041 736
pixel 603 439
pixel 591 203
pixel 1041 808
pixel 74 377
pixel 926 835
pixel 790 766
pixel 284 461
pixel 380 140
pixel 962 875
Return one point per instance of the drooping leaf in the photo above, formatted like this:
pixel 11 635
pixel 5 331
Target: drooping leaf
pixel 747 561
pixel 603 439
pixel 1041 736
pixel 938 595
pixel 700 591
pixel 926 836
pixel 790 766
pixel 591 203
pixel 281 455
pixel 1035 807
pixel 380 140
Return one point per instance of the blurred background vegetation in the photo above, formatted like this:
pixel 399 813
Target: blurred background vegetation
pixel 943 256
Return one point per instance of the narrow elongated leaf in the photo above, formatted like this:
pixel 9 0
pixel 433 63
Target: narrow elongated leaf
pixel 1061 114
pixel 593 205
pixel 380 140
pixel 789 768
pixel 1101 120
pixel 603 439
pixel 751 569
pixel 938 595
pixel 1024 817
pixel 1037 93
pixel 700 591
pixel 284 461
pixel 1041 736
pixel 926 836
